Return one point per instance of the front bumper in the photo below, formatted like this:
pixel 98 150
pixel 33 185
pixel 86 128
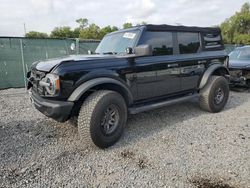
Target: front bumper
pixel 239 77
pixel 241 81
pixel 58 110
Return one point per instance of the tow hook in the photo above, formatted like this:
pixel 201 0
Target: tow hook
pixel 30 96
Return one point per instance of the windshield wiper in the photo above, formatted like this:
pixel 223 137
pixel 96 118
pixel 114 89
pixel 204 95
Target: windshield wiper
pixel 110 53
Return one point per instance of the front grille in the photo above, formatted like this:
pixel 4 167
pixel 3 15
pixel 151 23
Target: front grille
pixel 35 77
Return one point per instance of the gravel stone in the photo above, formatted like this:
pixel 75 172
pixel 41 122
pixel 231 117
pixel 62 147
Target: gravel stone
pixel 175 146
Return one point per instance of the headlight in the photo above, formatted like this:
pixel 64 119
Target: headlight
pixel 51 83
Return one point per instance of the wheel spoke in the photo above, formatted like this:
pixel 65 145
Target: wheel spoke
pixel 113 113
pixel 219 95
pixel 107 127
pixel 110 119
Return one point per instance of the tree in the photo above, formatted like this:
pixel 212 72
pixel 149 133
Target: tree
pixel 127 25
pixel 83 22
pixel 114 28
pixel 106 30
pixel 245 8
pixel 227 31
pixel 91 32
pixel 63 32
pixel 36 34
pixel 242 39
pixel 76 32
pixel 84 31
pixel 236 29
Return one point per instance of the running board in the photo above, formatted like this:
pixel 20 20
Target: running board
pixel 135 110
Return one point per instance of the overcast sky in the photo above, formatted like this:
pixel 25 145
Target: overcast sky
pixel 44 15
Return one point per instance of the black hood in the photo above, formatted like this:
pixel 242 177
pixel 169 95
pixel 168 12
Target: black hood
pixel 48 65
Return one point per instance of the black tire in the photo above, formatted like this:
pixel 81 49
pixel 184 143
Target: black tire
pixel 214 96
pixel 95 118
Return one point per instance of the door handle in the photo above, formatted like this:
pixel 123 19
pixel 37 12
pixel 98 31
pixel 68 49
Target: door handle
pixel 173 65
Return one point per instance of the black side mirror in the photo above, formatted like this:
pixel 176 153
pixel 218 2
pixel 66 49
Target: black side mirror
pixel 143 50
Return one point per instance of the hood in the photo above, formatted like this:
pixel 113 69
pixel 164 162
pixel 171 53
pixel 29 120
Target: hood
pixel 236 63
pixel 48 65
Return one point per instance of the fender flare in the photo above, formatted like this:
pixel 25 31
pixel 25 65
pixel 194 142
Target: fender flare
pixel 80 90
pixel 209 72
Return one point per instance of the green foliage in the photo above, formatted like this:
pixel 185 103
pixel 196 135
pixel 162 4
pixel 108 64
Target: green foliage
pixel 91 32
pixel 95 32
pixel 77 32
pixel 245 8
pixel 63 32
pixel 127 25
pixel 83 31
pixel 236 29
pixel 83 22
pixel 35 34
pixel 106 30
pixel 242 39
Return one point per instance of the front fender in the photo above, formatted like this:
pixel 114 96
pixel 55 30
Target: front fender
pixel 97 74
pixel 80 90
pixel 210 70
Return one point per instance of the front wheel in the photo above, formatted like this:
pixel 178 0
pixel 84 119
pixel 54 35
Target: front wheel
pixel 214 96
pixel 102 118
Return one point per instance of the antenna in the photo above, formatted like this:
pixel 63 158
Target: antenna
pixel 24 27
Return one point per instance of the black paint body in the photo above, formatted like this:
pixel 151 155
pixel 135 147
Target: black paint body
pixel 147 78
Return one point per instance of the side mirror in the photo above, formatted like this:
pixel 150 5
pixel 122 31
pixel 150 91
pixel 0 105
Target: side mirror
pixel 143 50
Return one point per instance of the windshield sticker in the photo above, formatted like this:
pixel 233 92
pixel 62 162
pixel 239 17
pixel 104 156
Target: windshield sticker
pixel 129 35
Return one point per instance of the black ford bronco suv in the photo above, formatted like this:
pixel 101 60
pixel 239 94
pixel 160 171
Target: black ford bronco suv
pixel 131 71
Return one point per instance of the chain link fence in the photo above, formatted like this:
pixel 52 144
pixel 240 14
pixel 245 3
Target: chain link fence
pixel 230 47
pixel 17 55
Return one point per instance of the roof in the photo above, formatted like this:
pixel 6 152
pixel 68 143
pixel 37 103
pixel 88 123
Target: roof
pixel 164 27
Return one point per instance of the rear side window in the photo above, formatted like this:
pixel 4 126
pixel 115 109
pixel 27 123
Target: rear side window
pixel 212 40
pixel 188 42
pixel 161 42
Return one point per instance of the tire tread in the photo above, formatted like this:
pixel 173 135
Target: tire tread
pixel 205 93
pixel 86 113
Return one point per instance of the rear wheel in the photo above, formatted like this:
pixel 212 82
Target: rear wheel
pixel 102 118
pixel 214 96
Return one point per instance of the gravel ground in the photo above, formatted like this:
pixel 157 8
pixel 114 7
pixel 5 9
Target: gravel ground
pixel 177 146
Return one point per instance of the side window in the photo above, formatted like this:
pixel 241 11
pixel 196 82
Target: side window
pixel 188 42
pixel 161 42
pixel 212 40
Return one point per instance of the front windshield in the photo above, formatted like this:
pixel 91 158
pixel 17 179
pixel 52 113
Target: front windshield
pixel 118 42
pixel 240 54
